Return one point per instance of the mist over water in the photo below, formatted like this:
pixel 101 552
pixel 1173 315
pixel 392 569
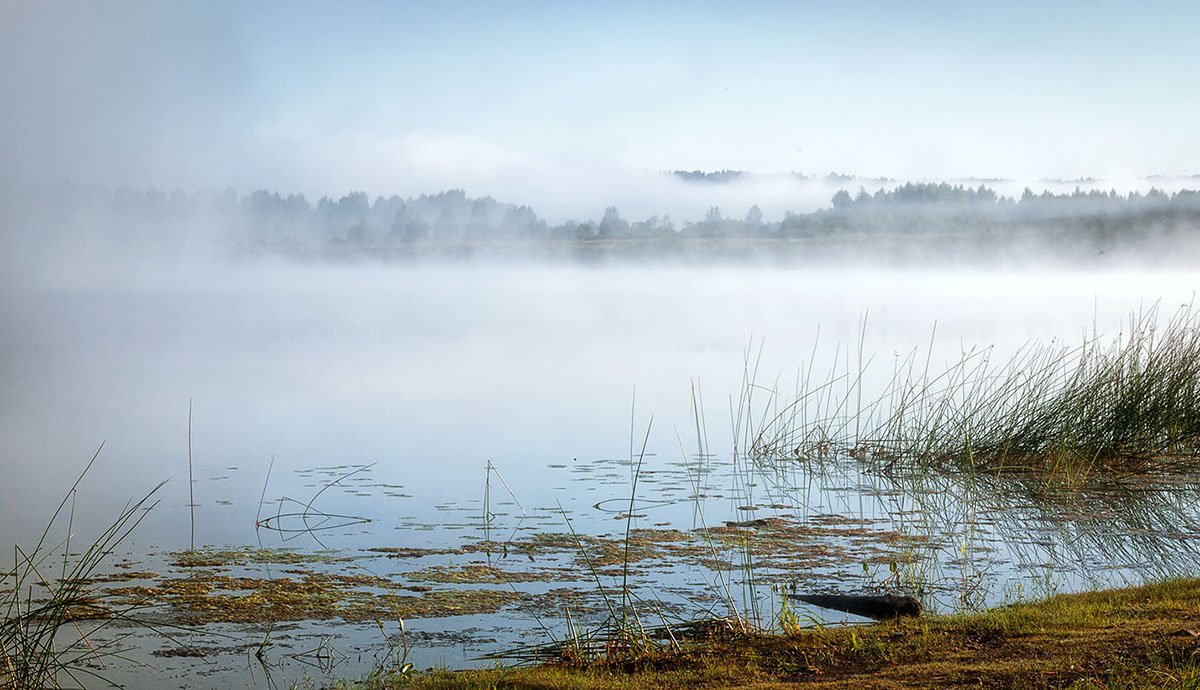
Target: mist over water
pixel 449 366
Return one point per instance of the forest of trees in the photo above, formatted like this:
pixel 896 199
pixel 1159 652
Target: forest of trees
pixel 916 213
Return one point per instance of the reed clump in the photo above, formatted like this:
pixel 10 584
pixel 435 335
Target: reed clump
pixel 1127 405
pixel 51 611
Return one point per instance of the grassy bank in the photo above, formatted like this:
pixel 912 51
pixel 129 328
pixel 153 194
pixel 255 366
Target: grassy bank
pixel 1143 637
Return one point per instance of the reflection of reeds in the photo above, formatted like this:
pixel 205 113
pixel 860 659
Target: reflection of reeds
pixel 1060 412
pixel 1095 534
pixel 309 520
pixel 35 651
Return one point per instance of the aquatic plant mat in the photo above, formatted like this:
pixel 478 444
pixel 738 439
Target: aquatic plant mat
pixel 1143 637
pixel 541 573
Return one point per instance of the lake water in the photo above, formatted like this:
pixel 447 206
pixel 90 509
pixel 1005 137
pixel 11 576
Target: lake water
pixel 527 389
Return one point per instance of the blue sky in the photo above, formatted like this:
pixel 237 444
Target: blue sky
pixel 515 97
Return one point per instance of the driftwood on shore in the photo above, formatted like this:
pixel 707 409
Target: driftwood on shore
pixel 877 606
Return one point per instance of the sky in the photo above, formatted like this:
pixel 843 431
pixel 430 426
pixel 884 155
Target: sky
pixel 527 100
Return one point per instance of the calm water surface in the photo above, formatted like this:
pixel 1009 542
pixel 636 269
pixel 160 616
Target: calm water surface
pixel 551 374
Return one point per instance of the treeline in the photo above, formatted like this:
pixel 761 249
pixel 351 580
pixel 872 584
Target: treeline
pixel 724 176
pixel 979 211
pixel 355 221
pixel 720 176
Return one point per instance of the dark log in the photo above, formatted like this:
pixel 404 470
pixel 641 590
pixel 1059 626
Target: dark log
pixel 877 606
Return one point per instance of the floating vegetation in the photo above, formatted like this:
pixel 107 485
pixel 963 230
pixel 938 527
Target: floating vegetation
pixel 644 544
pixel 120 577
pixel 227 558
pixel 411 552
pixel 794 547
pixel 481 574
pixel 311 592
pixel 355 598
pixel 775 542
pixel 207 598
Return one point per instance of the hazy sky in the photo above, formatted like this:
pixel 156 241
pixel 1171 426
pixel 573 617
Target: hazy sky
pixel 510 98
